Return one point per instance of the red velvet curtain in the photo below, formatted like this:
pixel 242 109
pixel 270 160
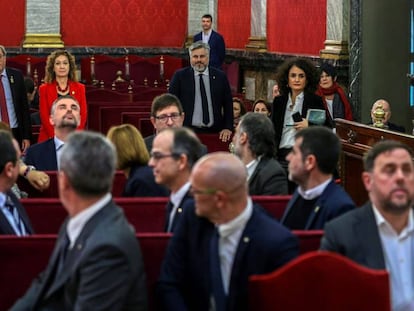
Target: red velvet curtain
pixel 234 22
pixel 12 22
pixel 297 27
pixel 158 23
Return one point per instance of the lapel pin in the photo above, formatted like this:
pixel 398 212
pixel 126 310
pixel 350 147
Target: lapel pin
pixel 179 210
pixel 11 79
pixel 246 239
pixel 316 209
pixel 79 247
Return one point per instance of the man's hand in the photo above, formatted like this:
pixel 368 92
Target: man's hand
pixel 225 135
pixel 38 179
pixel 25 145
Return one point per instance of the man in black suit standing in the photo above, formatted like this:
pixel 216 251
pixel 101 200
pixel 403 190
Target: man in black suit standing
pixel 97 262
pixel 174 152
pixel 380 234
pixel 14 109
pixel 214 40
pixel 205 94
pixel 13 217
pixel 254 144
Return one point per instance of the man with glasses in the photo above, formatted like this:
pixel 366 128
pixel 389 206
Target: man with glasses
pixel 174 152
pixel 166 112
pixel 14 109
pixel 220 241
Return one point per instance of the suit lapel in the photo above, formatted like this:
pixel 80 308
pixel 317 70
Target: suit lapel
pixel 291 203
pixel 319 205
pixel 5 226
pixel 180 210
pixel 22 213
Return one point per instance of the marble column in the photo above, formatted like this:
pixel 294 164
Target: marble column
pixel 257 39
pixel 337 30
pixel 42 24
pixel 196 9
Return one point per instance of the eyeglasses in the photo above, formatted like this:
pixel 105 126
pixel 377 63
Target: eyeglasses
pixel 210 191
pixel 158 155
pixel 164 117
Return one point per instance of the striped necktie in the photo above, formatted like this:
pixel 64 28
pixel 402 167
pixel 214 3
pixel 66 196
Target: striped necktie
pixel 20 228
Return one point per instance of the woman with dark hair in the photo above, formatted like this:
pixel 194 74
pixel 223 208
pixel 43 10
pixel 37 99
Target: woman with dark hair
pixel 262 106
pixel 334 98
pixel 297 79
pixel 60 79
pixel 239 109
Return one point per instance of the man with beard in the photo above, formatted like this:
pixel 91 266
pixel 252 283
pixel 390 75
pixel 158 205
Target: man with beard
pixel 380 235
pixel 65 118
pixel 205 94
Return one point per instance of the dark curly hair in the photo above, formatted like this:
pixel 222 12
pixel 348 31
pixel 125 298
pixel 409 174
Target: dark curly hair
pixel 312 76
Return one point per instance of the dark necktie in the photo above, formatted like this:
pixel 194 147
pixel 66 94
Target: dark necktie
pixel 217 289
pixel 20 228
pixel 168 210
pixel 3 104
pixel 204 101
pixel 63 250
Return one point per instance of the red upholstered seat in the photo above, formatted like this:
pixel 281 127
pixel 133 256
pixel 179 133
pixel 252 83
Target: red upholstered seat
pixel 274 204
pixel 309 240
pixel 321 281
pixel 22 259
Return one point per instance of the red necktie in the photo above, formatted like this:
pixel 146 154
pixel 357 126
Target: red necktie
pixel 3 105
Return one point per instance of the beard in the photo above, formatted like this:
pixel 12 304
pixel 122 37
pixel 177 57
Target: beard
pixel 200 67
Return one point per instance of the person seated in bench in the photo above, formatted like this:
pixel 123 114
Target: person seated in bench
pixel 254 144
pixel 97 262
pixel 387 116
pixel 312 163
pixel 166 112
pixel 223 221
pixel 174 152
pixel 133 160
pixel 65 118
pixel 13 217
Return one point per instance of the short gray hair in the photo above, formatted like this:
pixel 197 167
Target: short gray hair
pixel 199 45
pixel 88 160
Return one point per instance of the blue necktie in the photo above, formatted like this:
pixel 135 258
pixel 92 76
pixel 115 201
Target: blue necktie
pixel 204 101
pixel 217 289
pixel 169 209
pixel 20 228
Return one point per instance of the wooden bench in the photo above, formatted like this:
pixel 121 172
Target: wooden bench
pixel 22 259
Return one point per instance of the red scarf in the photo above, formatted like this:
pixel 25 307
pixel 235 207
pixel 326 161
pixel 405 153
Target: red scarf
pixel 335 88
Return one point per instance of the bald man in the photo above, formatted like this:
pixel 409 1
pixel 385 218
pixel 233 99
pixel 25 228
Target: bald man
pixel 387 109
pixel 223 223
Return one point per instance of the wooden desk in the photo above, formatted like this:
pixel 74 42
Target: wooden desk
pixel 357 139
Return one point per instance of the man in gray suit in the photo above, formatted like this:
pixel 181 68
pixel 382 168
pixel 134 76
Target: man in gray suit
pixel 253 143
pixel 380 235
pixel 97 262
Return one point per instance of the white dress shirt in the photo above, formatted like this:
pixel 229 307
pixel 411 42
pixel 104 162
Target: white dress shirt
pixel 288 133
pixel 176 199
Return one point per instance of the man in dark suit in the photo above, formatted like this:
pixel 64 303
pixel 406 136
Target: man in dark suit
pixel 312 163
pixel 166 112
pixel 205 94
pixel 65 118
pixel 13 99
pixel 224 223
pixel 254 144
pixel 97 262
pixel 214 40
pixel 173 155
pixel 13 217
pixel 380 235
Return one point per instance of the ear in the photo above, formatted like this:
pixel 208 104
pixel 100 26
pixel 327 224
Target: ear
pixel 63 182
pixel 8 169
pixel 183 162
pixel 310 162
pixel 367 180
pixel 243 138
pixel 153 121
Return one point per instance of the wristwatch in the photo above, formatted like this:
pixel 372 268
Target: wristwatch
pixel 27 170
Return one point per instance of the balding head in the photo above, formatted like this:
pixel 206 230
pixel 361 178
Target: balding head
pixel 219 183
pixel 385 106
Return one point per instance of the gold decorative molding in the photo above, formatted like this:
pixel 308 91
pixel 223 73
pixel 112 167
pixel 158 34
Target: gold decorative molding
pixel 257 44
pixel 43 41
pixel 335 50
pixel 188 41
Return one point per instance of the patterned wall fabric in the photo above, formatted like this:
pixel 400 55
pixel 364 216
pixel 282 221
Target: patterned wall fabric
pixel 296 26
pixel 158 23
pixel 234 22
pixel 12 17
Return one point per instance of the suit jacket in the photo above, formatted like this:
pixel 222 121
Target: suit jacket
pixel 42 156
pixel 355 235
pixel 311 101
pixel 141 183
pixel 21 106
pixel 102 271
pixel 149 140
pixel 5 227
pixel 269 178
pixel 47 95
pixel 184 282
pixel 187 201
pixel 217 48
pixel 183 86
pixel 333 201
